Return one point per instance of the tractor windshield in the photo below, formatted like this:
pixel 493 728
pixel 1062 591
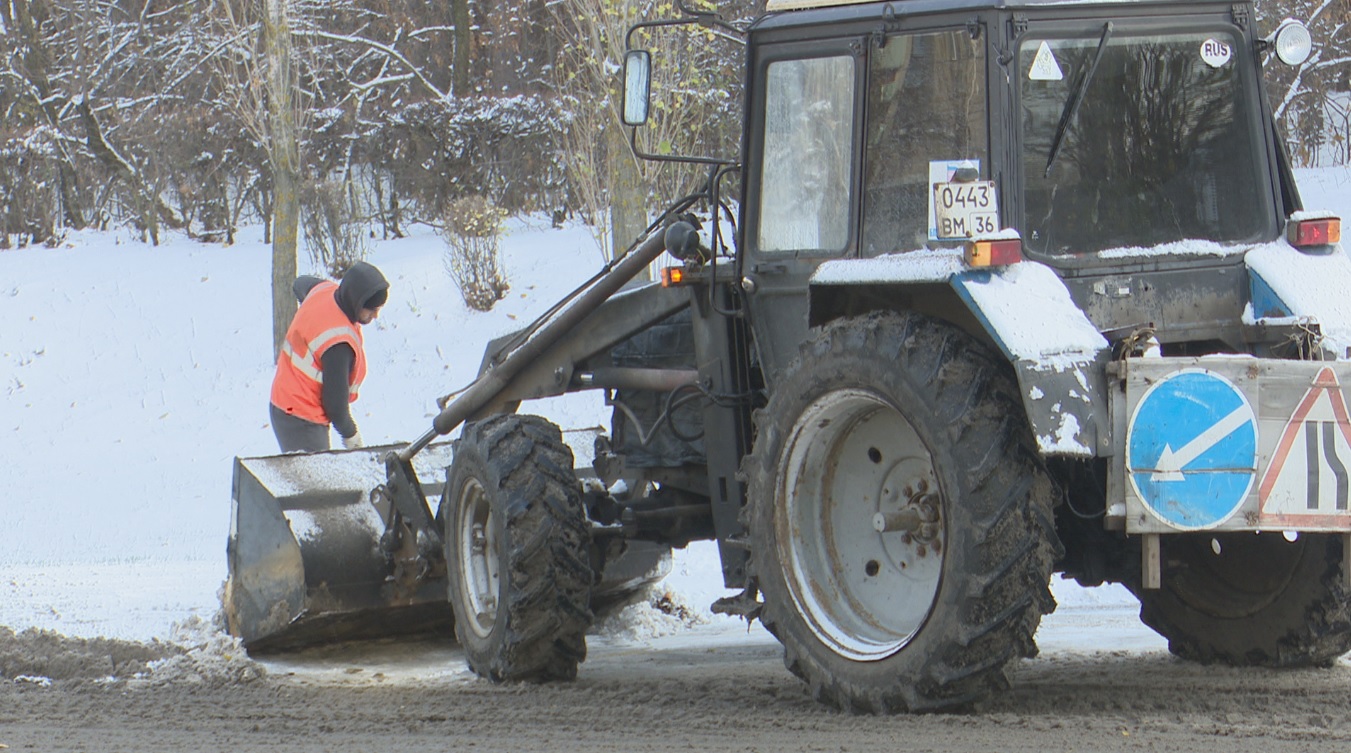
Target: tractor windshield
pixel 1135 140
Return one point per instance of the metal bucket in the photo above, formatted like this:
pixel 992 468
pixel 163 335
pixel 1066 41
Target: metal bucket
pixel 306 565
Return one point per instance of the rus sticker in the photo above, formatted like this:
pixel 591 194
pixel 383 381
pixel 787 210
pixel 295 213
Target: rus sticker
pixel 1216 53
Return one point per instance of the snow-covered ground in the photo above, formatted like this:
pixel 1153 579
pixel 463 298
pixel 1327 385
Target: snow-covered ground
pixel 131 376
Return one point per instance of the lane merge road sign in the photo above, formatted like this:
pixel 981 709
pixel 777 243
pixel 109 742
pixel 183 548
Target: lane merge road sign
pixel 1307 481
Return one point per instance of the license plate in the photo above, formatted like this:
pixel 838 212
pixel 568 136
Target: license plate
pixel 965 209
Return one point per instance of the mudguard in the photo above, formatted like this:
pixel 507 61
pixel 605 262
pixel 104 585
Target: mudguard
pixel 1059 356
pixel 1291 285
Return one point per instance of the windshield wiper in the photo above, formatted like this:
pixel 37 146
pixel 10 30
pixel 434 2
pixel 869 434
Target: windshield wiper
pixel 1076 98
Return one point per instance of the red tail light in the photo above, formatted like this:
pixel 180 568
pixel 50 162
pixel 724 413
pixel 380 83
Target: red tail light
pixel 1319 232
pixel 994 253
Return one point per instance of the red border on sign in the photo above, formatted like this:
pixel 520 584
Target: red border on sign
pixel 1326 381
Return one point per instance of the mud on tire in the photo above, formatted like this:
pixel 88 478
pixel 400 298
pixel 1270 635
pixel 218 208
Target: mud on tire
pixel 516 550
pixel 876 415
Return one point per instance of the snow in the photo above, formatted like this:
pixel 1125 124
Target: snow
pixel 1029 310
pixel 1313 214
pixel 1312 285
pixel 926 265
pixel 1025 306
pixel 1306 282
pixel 132 376
pixel 1065 441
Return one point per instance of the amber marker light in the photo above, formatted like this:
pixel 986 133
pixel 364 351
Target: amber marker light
pixel 1320 232
pixel 994 253
pixel 672 276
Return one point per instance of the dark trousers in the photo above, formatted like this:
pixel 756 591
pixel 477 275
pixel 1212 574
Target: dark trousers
pixel 295 434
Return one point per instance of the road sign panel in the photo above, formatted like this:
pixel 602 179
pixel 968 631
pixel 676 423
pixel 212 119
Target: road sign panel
pixel 1307 482
pixel 1191 449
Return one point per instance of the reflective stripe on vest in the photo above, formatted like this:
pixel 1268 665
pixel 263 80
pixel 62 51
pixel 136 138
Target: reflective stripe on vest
pixel 297 388
pixel 310 366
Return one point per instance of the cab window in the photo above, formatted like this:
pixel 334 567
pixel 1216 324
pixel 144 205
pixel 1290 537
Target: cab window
pixel 1150 145
pixel 926 119
pixel 805 181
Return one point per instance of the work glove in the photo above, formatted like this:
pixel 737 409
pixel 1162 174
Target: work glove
pixel 353 442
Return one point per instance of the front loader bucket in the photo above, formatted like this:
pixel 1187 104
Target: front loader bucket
pixel 305 561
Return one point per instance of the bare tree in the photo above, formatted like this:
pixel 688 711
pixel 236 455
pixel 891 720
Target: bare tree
pixel 696 111
pixel 1313 100
pixel 459 16
pixel 284 150
pixel 334 240
pixel 602 169
pixel 94 75
pixel 256 69
pixel 163 113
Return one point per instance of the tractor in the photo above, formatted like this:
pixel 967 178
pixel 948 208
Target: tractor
pixel 992 290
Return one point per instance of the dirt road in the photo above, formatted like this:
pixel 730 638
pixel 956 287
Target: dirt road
pixel 710 690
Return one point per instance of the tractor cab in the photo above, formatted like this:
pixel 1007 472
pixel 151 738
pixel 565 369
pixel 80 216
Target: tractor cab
pixel 1129 147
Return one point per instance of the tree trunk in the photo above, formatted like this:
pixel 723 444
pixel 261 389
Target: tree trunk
pixel 459 10
pixel 284 154
pixel 628 196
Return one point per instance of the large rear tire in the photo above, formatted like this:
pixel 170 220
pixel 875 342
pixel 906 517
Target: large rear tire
pixel 1247 599
pixel 516 550
pixel 899 416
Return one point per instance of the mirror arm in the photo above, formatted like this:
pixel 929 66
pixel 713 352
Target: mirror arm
pixel 640 154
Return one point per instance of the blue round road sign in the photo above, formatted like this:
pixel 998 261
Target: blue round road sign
pixel 1191 449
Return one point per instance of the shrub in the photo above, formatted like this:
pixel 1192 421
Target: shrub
pixel 336 239
pixel 471 228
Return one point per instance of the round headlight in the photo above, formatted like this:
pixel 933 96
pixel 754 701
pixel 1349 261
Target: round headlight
pixel 1293 42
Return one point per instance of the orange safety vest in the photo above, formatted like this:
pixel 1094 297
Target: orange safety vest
pixel 319 324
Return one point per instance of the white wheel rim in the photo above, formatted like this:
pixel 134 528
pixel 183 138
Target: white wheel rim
pixel 865 594
pixel 479 551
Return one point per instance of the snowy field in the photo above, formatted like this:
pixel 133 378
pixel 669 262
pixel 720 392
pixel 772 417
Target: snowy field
pixel 130 376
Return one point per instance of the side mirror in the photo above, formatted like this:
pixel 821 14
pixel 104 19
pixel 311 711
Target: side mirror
pixel 1292 42
pixel 637 86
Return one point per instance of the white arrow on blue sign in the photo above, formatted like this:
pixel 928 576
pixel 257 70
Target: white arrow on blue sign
pixel 1191 449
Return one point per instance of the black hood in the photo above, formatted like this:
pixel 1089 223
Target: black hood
pixel 360 283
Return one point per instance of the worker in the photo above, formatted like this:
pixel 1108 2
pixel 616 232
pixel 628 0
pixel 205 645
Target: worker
pixel 323 360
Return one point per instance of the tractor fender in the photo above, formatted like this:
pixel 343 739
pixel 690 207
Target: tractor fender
pixel 1026 311
pixel 1288 285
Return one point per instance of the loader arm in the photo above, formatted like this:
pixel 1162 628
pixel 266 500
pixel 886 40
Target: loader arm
pixel 494 380
pixel 539 364
pixel 529 369
pixel 554 371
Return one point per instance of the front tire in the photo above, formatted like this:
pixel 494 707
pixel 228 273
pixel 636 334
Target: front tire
pixel 901 423
pixel 1248 599
pixel 517 551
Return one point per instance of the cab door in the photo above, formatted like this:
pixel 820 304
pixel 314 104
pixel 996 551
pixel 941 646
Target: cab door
pixel 848 136
pixel 800 206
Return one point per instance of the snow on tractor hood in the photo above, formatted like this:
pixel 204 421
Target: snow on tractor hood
pixel 1288 285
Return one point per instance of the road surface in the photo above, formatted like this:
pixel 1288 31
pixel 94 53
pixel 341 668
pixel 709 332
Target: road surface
pixel 714 686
